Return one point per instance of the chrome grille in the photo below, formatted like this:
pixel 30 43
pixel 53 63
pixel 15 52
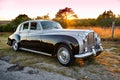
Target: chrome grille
pixel 90 39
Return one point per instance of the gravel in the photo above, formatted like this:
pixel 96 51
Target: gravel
pixel 27 73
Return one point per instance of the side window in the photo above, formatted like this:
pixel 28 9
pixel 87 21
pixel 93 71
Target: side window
pixel 25 26
pixel 34 26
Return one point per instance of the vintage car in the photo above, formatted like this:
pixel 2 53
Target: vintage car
pixel 49 38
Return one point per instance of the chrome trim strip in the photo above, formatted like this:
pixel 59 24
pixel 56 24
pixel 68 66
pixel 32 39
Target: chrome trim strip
pixel 36 51
pixel 101 48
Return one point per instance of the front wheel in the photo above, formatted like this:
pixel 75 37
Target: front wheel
pixel 15 46
pixel 65 56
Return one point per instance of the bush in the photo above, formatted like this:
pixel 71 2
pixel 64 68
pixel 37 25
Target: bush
pixel 6 28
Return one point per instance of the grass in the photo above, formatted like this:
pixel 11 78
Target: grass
pixel 21 57
pixel 109 60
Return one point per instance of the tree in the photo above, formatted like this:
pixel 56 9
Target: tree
pixel 63 15
pixel 106 18
pixel 85 22
pixel 117 21
pixel 45 17
pixel 20 18
pixel 14 23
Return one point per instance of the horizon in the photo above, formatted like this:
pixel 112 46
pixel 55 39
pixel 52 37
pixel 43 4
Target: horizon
pixel 50 17
pixel 9 9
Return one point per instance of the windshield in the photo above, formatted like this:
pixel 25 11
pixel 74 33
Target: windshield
pixel 50 25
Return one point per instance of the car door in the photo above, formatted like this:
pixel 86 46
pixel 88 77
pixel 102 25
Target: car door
pixel 33 37
pixel 48 40
pixel 23 34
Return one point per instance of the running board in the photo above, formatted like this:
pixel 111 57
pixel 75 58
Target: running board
pixel 36 51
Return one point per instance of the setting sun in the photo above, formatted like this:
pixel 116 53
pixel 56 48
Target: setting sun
pixel 70 17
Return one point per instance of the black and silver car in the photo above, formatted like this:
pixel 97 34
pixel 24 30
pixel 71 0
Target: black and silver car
pixel 49 38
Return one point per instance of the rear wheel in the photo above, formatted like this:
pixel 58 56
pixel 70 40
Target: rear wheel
pixel 15 45
pixel 65 56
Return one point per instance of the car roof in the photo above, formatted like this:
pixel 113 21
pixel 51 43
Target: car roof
pixel 36 20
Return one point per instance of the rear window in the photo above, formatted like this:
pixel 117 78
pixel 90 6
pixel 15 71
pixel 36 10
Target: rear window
pixel 25 26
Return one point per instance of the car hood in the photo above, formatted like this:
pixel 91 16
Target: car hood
pixel 72 32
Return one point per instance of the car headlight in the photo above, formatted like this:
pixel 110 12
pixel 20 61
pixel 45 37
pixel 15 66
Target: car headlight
pixel 85 49
pixel 85 40
pixel 97 38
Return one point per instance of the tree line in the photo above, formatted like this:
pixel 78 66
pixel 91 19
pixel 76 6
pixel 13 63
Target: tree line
pixel 66 17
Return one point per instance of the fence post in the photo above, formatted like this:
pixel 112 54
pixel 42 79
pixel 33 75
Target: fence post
pixel 113 27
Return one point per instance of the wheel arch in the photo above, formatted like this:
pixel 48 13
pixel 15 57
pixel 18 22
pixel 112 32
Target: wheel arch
pixel 66 43
pixel 14 37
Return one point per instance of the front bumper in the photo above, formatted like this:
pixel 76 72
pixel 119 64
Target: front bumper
pixel 93 52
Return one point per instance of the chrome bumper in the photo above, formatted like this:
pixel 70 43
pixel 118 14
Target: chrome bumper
pixel 92 53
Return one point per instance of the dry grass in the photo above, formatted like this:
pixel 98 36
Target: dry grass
pixel 107 33
pixel 104 33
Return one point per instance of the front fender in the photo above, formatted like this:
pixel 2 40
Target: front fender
pixel 70 42
pixel 53 41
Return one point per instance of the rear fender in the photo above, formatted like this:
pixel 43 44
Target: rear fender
pixel 15 37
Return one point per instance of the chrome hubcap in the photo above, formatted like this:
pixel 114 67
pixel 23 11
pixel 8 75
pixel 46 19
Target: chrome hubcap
pixel 15 45
pixel 63 55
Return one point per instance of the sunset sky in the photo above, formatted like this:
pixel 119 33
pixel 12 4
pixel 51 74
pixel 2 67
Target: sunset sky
pixel 9 9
